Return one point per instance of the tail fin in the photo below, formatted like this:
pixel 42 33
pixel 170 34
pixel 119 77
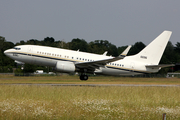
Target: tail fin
pixel 152 53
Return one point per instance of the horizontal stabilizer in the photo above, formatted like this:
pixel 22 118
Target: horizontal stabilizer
pixel 159 66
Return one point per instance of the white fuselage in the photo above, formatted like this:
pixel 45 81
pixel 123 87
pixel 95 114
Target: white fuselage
pixel 49 56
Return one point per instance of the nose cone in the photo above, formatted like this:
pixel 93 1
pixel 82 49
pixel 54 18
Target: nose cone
pixel 7 52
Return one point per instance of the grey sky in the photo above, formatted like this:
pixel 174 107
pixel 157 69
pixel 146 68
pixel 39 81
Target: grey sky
pixel 121 22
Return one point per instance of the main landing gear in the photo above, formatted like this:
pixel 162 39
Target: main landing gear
pixel 83 77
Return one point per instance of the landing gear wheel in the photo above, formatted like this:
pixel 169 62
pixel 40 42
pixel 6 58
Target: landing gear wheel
pixel 83 77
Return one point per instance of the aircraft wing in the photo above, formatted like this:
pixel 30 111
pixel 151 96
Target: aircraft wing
pixel 101 63
pixel 91 66
pixel 159 66
pixel 98 63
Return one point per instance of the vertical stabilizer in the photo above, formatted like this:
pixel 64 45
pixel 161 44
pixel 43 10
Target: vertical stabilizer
pixel 152 53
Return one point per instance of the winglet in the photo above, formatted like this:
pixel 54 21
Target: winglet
pixel 125 52
pixel 105 53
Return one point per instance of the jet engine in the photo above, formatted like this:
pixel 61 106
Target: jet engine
pixel 64 66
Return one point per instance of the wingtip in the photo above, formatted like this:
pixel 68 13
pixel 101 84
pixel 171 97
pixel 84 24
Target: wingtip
pixel 168 31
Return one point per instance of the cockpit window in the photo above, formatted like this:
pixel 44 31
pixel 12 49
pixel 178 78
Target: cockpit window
pixel 16 48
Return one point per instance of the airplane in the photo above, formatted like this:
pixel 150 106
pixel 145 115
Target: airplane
pixel 69 61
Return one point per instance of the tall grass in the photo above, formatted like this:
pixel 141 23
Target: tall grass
pixel 55 102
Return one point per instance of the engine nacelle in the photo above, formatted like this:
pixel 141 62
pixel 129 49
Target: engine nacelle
pixel 64 66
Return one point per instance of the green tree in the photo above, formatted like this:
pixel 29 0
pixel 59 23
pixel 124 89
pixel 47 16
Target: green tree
pixel 100 46
pixel 121 49
pixel 169 55
pixel 49 41
pixel 2 40
pixel 29 68
pixel 136 48
pixel 177 47
pixel 112 50
pixel 80 44
pixel 4 45
pixel 177 52
pixel 33 42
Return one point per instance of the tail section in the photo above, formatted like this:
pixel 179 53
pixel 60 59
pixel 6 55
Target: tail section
pixel 152 53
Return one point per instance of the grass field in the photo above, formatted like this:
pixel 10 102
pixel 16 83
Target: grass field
pixel 70 102
pixel 92 80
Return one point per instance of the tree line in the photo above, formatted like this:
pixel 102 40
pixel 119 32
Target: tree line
pixel 170 56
